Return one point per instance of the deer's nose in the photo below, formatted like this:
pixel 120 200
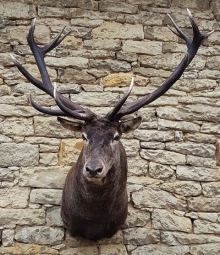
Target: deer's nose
pixel 93 171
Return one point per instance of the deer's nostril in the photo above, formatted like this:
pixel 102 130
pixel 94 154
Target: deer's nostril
pixel 88 170
pixel 93 171
pixel 99 170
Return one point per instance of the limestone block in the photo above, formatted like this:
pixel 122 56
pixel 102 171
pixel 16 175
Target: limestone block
pixel 108 6
pixel 180 125
pixel 44 141
pixel 112 65
pixel 103 44
pixel 205 249
pixel 203 204
pixel 79 241
pixel 48 148
pixel 178 238
pixel 154 135
pixel 142 47
pixel 153 145
pixel 113 249
pixel 16 197
pixel 69 151
pixel 4 90
pixel 129 57
pixel 147 114
pixel 46 196
pixel 137 166
pixel 94 99
pixel 43 177
pixel 93 250
pixel 155 33
pixel 18 154
pixel 136 218
pixel 153 197
pixel 141 236
pixel 92 88
pixel 208 74
pixel 17 126
pixel 5 139
pixel 131 147
pixel 213 128
pixel 87 4
pixel 85 22
pixel 16 110
pixel 48 159
pixel 200 138
pixel 163 157
pixel 53 217
pixel 189 113
pixel 198 100
pixel 117 79
pixel 151 72
pixel 45 11
pixel 11 217
pixel 164 220
pixel 164 101
pixel 40 235
pixel 202 150
pixel 71 75
pixel 198 173
pixel 114 30
pixel 50 127
pixel 13 100
pixel 183 188
pixel 8 237
pixel 18 34
pixel 200 161
pixel 21 249
pixel 82 32
pixel 160 171
pixel 16 10
pixel 211 189
pixel 206 227
pixel 6 174
pixel 161 249
pixel 147 19
pixel 78 62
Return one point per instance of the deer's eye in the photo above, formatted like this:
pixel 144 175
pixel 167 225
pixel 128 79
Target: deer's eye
pixel 84 137
pixel 116 137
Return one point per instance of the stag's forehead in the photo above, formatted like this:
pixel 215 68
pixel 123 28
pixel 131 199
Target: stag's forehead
pixel 100 127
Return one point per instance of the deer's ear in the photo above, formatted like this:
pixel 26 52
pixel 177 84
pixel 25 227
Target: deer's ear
pixel 130 125
pixel 71 124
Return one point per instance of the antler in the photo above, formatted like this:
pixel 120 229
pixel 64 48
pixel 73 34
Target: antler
pixel 192 47
pixel 68 108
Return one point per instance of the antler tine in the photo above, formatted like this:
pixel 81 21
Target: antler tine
pixel 45 110
pixel 178 32
pixel 84 114
pixel 192 47
pixel 57 40
pixel 116 109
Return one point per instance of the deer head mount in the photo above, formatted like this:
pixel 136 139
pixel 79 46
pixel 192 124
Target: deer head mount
pixel 94 202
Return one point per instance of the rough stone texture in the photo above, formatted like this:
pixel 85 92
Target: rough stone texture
pixel 162 219
pixel 40 235
pixel 18 154
pixel 173 158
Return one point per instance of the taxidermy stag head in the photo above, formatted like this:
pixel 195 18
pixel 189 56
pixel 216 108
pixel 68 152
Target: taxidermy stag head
pixel 94 202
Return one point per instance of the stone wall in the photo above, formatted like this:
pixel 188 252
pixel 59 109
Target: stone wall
pixel 174 157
